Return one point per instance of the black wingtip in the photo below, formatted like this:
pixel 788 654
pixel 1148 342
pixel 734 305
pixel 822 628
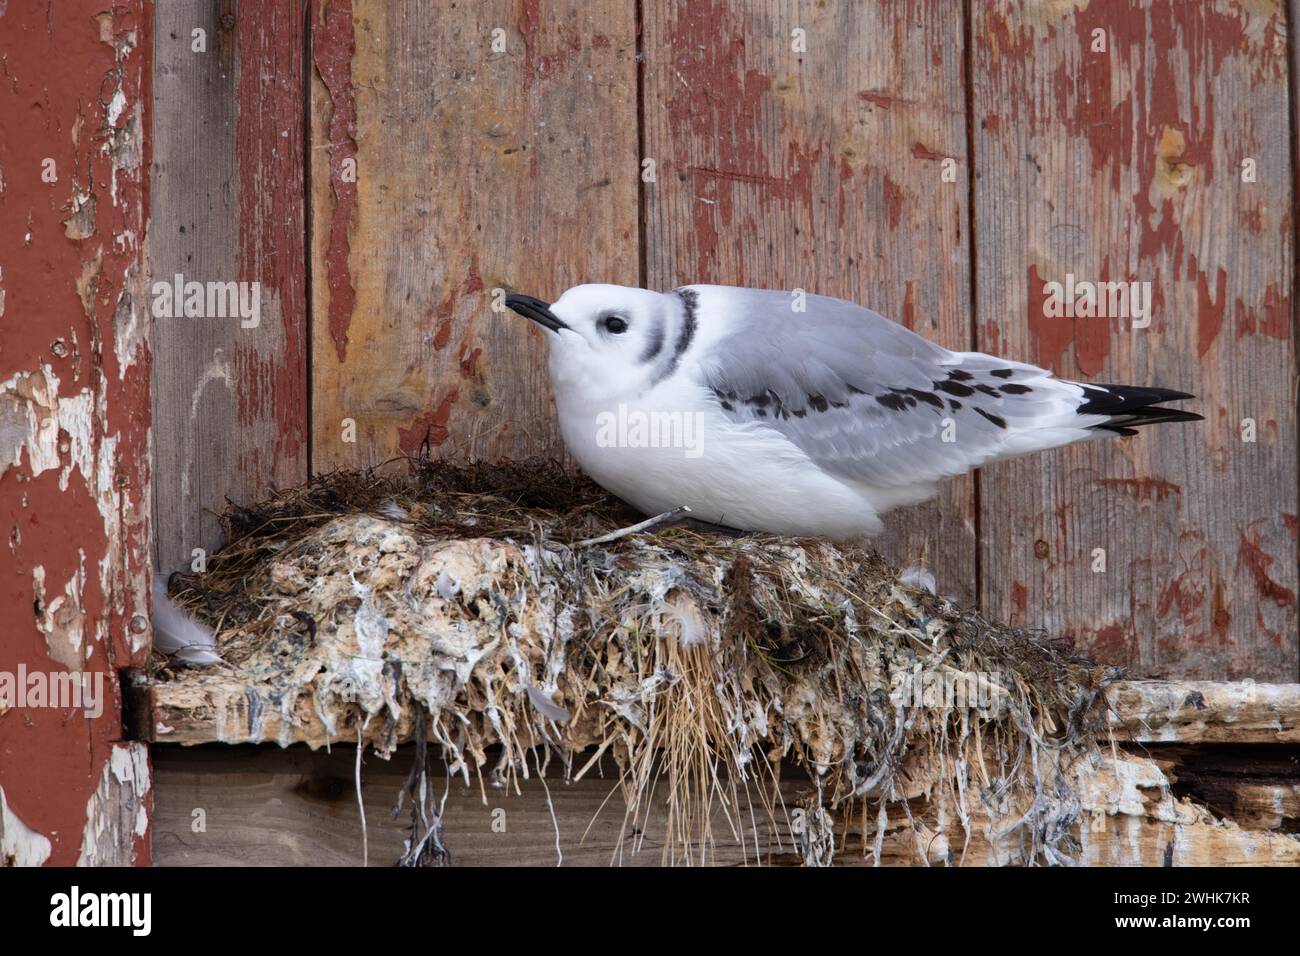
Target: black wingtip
pixel 1130 407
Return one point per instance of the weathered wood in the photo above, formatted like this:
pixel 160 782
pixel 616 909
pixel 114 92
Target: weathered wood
pixel 1124 165
pixel 1258 787
pixel 1206 711
pixel 268 807
pixel 227 205
pixel 213 707
pixel 475 170
pixel 821 170
pixel 74 428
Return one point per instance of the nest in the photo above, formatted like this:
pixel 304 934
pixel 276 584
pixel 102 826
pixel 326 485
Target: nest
pixel 468 609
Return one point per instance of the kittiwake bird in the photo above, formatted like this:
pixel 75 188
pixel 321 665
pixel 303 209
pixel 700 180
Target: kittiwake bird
pixel 795 414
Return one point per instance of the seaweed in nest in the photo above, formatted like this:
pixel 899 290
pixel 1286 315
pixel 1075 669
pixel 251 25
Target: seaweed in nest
pixel 455 605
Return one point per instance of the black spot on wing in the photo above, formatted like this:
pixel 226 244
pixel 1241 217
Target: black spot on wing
pixel 1003 372
pixel 1011 388
pixel 955 388
pixel 923 396
pixel 995 419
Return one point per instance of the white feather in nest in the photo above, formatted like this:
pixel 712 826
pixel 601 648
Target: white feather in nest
pixel 178 635
pixel 918 577
pixel 682 608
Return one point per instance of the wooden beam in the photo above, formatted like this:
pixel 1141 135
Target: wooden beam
pixel 216 707
pixel 270 807
pixel 1236 712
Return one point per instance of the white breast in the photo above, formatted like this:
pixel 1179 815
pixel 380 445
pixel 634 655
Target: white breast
pixel 673 447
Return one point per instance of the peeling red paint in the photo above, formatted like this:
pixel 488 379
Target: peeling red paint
pixel 1210 307
pixel 269 146
pixel 714 100
pixel 443 335
pixel 842 190
pixel 887 100
pixel 1186 592
pixel 91 539
pixel 1272 317
pixel 1050 336
pixel 1253 220
pixel 469 363
pixel 1257 561
pixel 909 306
pixel 1153 158
pixel 430 426
pixel 333 46
pixel 1220 619
pixel 893 196
pixel 446 308
pixel 1144 488
pixel 1112 643
pixel 567 43
pixel 921 151
pixel 1019 598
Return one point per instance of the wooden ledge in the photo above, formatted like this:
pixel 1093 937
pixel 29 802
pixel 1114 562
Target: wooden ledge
pixel 1195 785
pixel 214 706
pixel 1204 712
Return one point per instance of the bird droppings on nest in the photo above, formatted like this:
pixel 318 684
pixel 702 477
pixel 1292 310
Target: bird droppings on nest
pixel 451 606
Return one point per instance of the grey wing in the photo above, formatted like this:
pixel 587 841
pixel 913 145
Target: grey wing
pixel 873 402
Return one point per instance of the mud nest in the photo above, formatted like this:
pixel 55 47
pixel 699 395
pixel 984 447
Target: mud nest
pixel 466 609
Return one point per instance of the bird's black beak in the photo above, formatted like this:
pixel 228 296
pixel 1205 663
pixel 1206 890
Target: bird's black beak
pixel 537 310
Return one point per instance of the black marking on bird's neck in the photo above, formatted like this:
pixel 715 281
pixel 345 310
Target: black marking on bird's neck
pixel 655 345
pixel 685 335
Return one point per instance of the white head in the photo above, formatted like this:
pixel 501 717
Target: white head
pixel 612 341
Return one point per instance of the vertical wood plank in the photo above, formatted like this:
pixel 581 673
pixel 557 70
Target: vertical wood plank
pixel 821 170
pixel 227 205
pixel 1127 164
pixel 74 430
pixel 1293 66
pixel 474 170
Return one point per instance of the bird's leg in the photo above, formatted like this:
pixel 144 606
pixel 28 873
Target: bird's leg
pixel 667 516
pixel 708 527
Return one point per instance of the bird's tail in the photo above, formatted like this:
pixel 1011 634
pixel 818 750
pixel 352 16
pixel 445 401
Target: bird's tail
pixel 1128 407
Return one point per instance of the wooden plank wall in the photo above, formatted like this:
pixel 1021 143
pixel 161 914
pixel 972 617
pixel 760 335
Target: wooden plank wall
pixel 227 205
pixel 1128 164
pixel 818 170
pixel 937 162
pixel 475 170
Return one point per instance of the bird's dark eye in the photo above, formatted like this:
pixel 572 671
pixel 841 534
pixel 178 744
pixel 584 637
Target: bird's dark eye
pixel 615 323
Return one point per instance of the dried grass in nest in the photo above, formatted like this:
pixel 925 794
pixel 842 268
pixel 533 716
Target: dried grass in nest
pixel 697 661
